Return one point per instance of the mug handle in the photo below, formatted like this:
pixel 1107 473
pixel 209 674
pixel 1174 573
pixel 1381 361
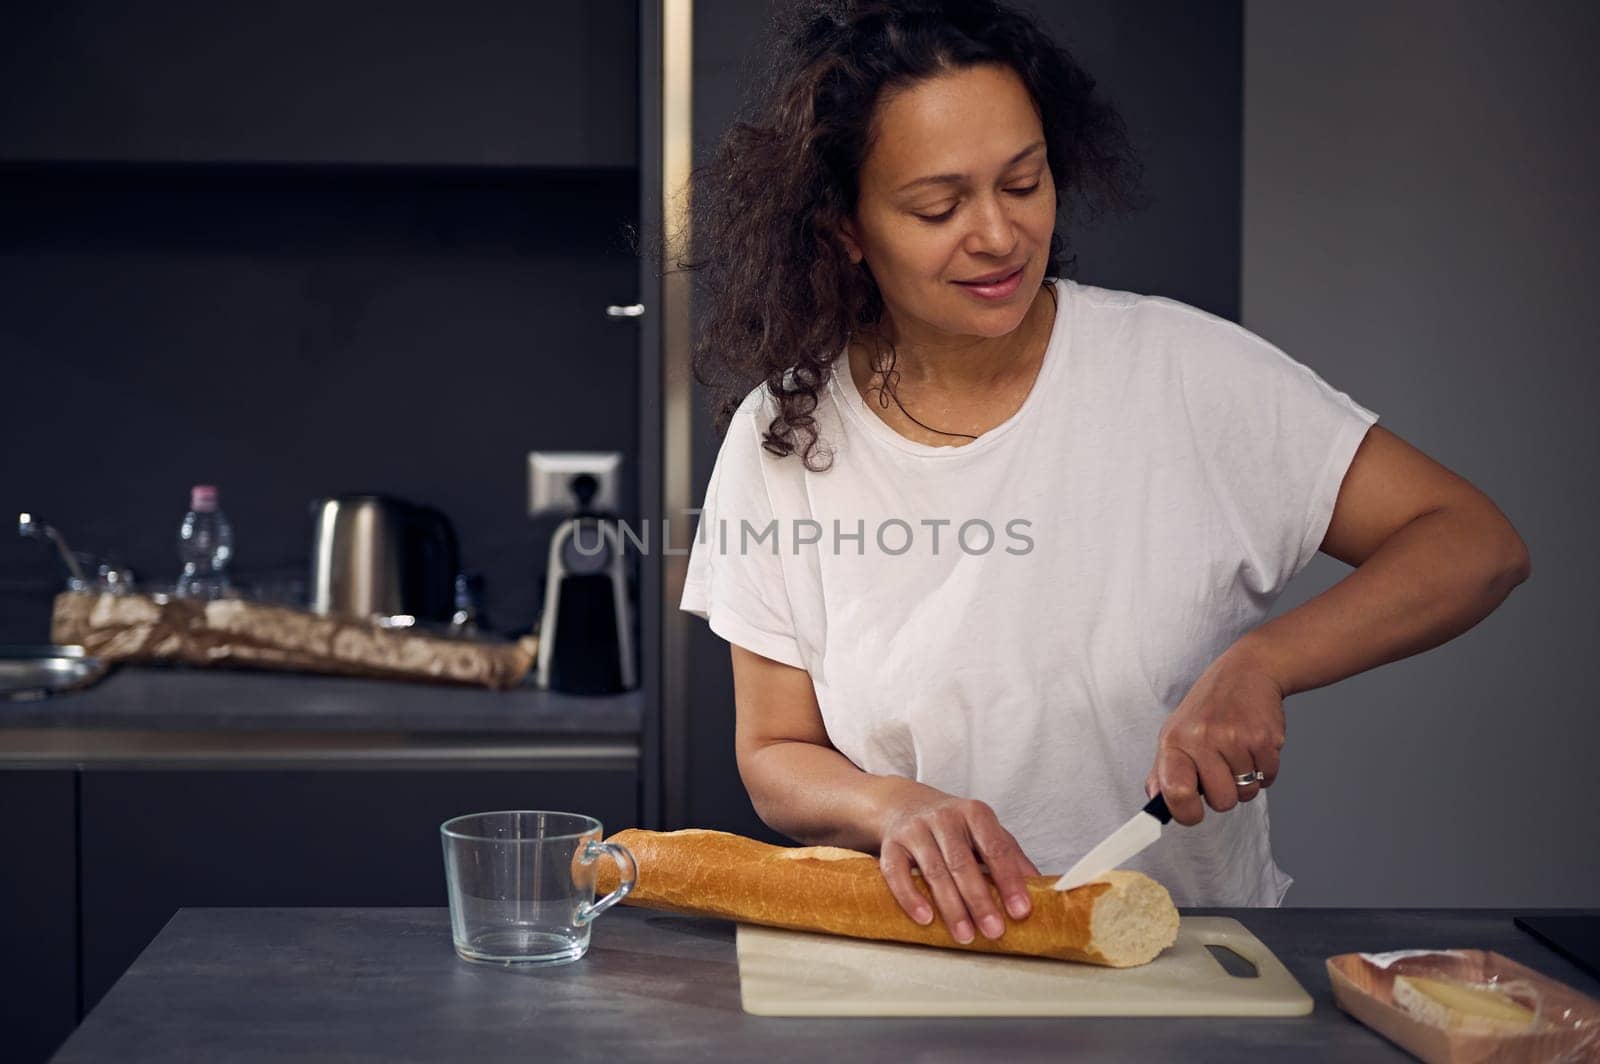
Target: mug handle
pixel 627 876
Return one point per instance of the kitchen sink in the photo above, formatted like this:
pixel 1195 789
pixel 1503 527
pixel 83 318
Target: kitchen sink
pixel 29 673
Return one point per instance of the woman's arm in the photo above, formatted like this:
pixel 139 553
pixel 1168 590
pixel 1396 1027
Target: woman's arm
pixel 1433 557
pixel 802 786
pixel 799 784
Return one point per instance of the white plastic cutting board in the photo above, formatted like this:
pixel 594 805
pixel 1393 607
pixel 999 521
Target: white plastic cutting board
pixel 797 973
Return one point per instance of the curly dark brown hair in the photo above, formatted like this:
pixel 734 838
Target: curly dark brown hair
pixel 775 293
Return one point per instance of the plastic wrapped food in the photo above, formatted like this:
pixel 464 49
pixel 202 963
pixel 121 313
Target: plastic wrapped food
pixel 1458 1006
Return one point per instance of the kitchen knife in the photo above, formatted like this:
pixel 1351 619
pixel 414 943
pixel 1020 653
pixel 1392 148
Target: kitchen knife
pixel 1121 844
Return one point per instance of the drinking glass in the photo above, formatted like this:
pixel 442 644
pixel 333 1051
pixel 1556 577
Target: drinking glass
pixel 521 884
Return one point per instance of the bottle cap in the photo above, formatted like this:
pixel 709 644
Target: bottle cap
pixel 203 498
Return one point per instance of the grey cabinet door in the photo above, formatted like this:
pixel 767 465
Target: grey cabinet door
pixel 488 83
pixel 155 841
pixel 38 912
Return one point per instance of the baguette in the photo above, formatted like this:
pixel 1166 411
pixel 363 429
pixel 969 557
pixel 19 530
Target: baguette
pixel 1120 920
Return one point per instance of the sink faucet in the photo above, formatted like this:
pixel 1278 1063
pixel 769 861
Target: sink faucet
pixel 30 527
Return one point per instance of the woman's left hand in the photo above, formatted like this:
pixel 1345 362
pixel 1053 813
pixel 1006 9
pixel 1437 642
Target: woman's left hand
pixel 1229 724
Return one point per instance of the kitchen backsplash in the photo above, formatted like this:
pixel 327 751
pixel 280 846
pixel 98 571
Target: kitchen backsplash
pixel 292 334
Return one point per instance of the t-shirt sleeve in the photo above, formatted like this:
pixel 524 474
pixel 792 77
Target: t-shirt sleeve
pixel 735 578
pixel 1276 443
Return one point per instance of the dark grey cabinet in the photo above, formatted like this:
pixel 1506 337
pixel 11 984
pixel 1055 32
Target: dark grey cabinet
pixel 390 82
pixel 38 912
pixel 154 841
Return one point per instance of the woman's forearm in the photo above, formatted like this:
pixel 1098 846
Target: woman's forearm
pixel 815 795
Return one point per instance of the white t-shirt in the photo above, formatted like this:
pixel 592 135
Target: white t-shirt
pixel 1165 478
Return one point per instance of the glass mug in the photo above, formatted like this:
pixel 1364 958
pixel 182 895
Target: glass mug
pixel 521 884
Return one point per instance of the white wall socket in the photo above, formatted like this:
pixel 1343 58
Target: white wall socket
pixel 550 476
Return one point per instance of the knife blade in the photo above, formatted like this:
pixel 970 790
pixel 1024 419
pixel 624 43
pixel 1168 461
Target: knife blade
pixel 1139 832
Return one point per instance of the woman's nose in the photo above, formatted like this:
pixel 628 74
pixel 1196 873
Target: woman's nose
pixel 991 231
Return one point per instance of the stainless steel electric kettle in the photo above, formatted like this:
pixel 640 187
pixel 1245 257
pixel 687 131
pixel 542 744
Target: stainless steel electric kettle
pixel 375 556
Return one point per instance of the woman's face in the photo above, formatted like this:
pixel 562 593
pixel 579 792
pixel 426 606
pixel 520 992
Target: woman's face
pixel 955 190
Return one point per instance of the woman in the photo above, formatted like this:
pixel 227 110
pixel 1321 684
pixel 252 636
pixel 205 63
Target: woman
pixel 993 548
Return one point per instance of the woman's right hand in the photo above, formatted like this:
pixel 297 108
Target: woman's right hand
pixel 948 840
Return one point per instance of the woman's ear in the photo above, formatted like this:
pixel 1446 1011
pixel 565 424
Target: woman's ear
pixel 852 246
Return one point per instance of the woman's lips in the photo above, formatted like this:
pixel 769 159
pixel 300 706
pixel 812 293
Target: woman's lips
pixel 994 289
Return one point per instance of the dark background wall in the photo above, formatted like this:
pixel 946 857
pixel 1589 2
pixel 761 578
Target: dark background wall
pixel 1422 225
pixel 358 248
pixel 1175 71
pixel 287 336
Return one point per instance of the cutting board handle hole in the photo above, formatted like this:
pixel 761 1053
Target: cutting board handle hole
pixel 1232 963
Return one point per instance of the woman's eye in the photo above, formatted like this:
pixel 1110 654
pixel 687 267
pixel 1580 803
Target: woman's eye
pixel 1017 190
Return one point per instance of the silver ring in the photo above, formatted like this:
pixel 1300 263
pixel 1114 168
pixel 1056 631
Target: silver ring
pixel 1245 779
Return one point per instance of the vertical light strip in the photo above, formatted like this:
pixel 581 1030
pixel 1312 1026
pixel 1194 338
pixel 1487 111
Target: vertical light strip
pixel 677 420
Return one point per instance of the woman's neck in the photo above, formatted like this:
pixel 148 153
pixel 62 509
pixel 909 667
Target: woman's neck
pixel 957 365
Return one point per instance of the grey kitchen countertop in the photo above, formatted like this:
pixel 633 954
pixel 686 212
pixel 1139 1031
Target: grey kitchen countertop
pixel 384 984
pixel 149 698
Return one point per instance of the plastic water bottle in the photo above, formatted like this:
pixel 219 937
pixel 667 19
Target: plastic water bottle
pixel 205 545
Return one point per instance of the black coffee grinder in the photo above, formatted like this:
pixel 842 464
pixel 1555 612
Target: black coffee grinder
pixel 586 629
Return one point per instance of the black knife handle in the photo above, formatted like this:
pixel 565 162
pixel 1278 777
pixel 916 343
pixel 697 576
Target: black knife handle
pixel 1157 807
